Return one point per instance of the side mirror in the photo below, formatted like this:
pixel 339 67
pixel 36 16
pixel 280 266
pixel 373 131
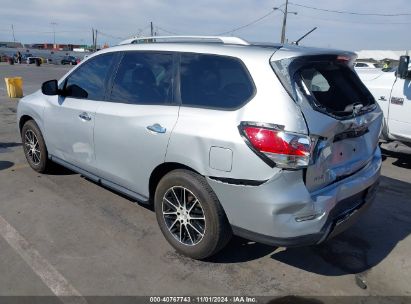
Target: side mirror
pixel 403 67
pixel 50 88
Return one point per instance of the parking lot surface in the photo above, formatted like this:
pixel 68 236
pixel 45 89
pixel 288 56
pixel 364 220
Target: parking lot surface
pixel 62 228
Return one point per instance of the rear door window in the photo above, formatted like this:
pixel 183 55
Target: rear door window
pixel 213 81
pixel 144 78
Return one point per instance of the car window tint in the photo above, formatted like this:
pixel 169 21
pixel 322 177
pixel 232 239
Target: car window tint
pixel 360 65
pixel 144 78
pixel 214 81
pixel 88 81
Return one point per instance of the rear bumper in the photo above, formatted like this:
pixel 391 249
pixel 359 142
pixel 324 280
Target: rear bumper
pixel 282 212
pixel 336 223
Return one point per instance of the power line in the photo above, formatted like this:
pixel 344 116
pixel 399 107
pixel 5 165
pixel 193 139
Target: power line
pixel 110 36
pixel 248 24
pixel 350 13
pixel 167 31
pixel 350 21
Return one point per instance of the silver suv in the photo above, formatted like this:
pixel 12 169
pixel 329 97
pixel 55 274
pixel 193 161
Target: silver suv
pixel 274 143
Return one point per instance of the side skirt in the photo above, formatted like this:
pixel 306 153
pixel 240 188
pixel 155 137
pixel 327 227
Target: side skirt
pixel 106 183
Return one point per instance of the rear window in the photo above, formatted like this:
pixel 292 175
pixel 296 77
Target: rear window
pixel 334 87
pixel 213 81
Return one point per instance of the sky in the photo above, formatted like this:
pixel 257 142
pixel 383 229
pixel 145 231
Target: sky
pixel 72 20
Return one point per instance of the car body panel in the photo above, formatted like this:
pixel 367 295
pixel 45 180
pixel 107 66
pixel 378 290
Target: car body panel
pixel 69 136
pixel 126 151
pixel 399 117
pixel 32 106
pixel 393 95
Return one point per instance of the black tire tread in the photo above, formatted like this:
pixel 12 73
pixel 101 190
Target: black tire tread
pixel 224 229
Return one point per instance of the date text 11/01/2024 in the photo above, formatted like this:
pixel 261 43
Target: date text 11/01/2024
pixel 204 299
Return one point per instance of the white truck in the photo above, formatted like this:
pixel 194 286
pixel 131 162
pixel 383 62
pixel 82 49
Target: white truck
pixel 392 90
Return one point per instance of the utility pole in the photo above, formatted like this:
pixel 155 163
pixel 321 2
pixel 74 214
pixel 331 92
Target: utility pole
pixel 152 29
pixel 284 22
pixel 92 35
pixel 95 42
pixel 285 12
pixel 12 30
pixel 53 24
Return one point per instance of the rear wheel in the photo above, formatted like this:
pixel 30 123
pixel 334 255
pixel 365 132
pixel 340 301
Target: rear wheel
pixel 34 147
pixel 190 215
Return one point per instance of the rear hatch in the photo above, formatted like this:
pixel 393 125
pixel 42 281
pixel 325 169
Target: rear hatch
pixel 342 117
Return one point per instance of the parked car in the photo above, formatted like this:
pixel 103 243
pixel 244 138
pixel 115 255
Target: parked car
pixel 392 90
pixel 34 59
pixel 71 60
pixel 367 65
pixel 4 58
pixel 277 144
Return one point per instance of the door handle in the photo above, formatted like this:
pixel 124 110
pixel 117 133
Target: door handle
pixel 156 128
pixel 85 116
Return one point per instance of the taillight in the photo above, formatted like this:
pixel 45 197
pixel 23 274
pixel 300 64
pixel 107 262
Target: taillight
pixel 277 147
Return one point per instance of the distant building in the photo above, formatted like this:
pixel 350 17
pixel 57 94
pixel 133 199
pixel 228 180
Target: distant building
pixel 11 44
pixel 56 47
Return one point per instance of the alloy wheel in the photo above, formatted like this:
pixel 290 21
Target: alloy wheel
pixel 184 215
pixel 32 147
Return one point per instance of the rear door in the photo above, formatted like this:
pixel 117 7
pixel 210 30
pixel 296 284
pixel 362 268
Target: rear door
pixel 399 117
pixel 133 128
pixel 341 115
pixel 69 119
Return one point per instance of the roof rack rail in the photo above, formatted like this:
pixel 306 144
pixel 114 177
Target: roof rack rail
pixel 154 39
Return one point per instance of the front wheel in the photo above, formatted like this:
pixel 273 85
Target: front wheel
pixel 190 216
pixel 34 147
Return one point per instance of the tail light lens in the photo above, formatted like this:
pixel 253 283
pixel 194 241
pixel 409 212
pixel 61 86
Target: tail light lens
pixel 277 147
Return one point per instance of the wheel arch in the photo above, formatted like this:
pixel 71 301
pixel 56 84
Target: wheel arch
pixel 160 171
pixel 23 119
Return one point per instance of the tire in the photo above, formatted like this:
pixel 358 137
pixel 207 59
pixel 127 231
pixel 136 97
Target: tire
pixel 34 147
pixel 187 232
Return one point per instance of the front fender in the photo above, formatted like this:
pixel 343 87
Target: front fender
pixel 32 106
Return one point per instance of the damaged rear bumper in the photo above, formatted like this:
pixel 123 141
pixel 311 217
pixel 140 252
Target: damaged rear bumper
pixel 282 212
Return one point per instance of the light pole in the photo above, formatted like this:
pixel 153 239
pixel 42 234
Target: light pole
pixel 53 24
pixel 285 12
